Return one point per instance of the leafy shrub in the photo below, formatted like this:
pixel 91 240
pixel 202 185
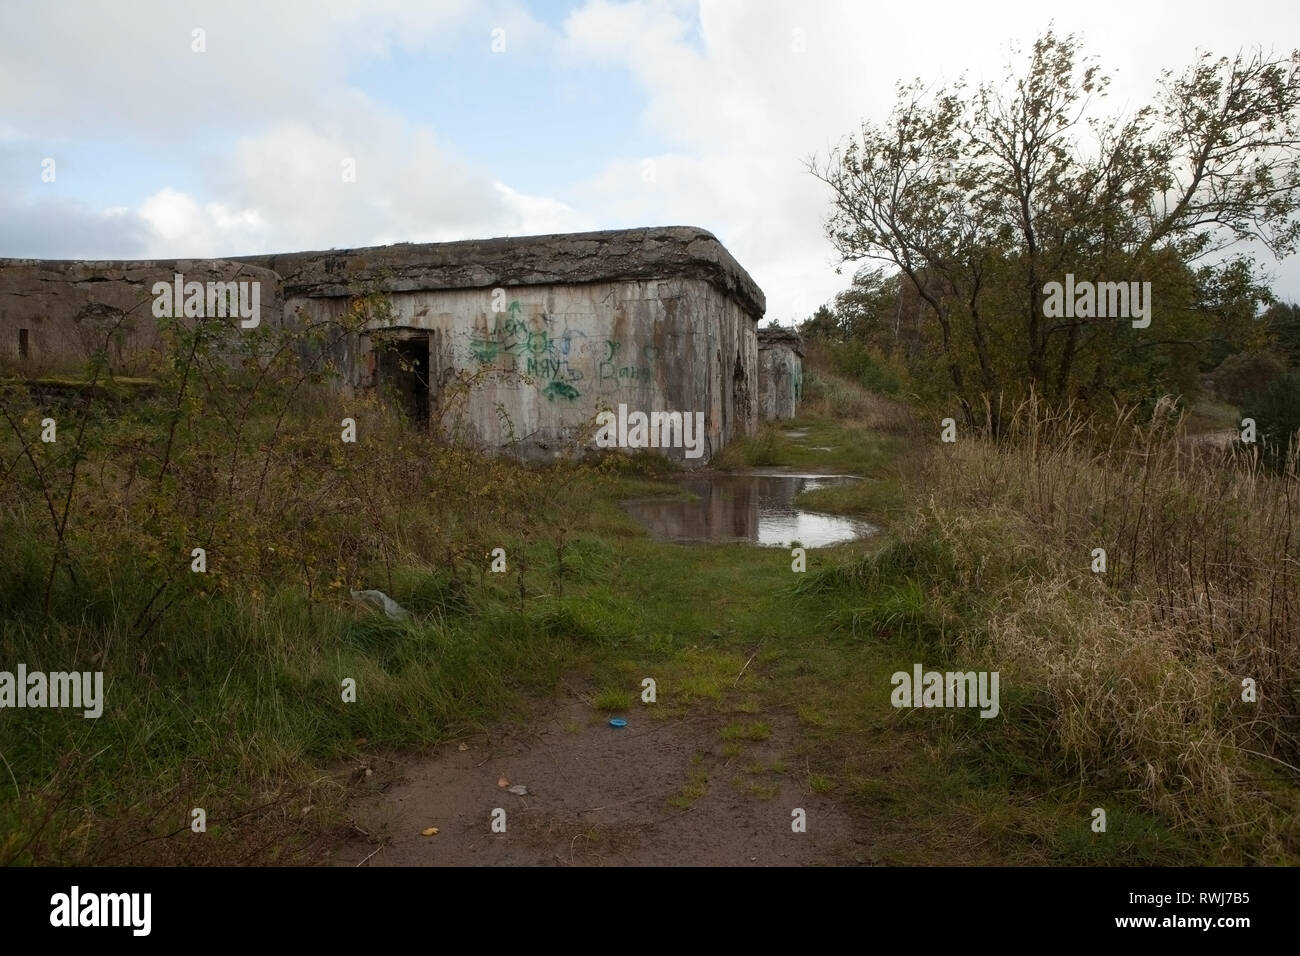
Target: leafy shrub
pixel 1245 374
pixel 1276 410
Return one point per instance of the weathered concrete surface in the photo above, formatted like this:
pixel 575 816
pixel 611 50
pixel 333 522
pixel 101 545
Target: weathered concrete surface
pixel 69 306
pixel 682 252
pixel 533 376
pixel 511 343
pixel 780 373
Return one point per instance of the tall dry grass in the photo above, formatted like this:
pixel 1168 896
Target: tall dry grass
pixel 827 395
pixel 1128 680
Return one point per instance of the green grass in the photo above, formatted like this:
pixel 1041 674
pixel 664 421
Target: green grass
pixel 695 787
pixel 820 783
pixel 758 730
pixel 614 700
pixel 853 448
pixel 233 702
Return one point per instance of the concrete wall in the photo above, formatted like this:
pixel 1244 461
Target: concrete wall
pixel 527 338
pixel 780 373
pixel 68 307
pixel 533 376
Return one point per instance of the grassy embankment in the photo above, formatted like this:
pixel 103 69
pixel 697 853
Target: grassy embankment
pixel 1118 691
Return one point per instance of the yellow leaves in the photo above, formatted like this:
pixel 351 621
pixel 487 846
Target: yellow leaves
pixel 429 831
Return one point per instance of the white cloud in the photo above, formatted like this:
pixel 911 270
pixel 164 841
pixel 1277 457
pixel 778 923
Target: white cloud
pixel 272 85
pixel 531 215
pixel 287 191
pixel 731 104
pixel 743 107
pixel 184 227
pixel 132 70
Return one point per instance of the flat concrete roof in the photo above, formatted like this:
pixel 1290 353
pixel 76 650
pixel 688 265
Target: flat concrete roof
pixel 780 335
pixel 661 252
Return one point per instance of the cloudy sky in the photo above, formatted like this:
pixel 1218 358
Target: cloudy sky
pixel 473 119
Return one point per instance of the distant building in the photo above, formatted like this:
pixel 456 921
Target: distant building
pixel 780 372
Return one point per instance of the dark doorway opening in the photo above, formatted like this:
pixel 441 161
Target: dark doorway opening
pixel 403 366
pixel 24 346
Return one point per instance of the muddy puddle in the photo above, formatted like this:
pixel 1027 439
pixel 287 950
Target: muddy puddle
pixel 754 508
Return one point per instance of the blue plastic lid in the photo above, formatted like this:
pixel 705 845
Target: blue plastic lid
pixel 617 722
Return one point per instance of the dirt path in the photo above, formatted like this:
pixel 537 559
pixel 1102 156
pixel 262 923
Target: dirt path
pixel 657 792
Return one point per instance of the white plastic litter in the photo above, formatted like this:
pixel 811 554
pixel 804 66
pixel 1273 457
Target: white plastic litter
pixel 381 601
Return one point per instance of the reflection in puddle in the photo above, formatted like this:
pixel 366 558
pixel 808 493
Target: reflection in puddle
pixel 757 508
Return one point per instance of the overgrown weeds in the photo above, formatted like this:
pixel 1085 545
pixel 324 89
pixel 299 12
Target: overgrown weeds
pixel 198 542
pixel 1139 597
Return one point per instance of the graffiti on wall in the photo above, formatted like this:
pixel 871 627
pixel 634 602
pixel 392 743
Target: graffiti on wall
pixel 613 368
pixel 561 363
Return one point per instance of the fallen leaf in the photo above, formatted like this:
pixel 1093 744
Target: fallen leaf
pixel 503 782
pixel 519 789
pixel 431 831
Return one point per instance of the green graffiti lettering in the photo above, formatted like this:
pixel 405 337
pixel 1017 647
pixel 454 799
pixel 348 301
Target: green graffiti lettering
pixel 560 390
pixel 485 350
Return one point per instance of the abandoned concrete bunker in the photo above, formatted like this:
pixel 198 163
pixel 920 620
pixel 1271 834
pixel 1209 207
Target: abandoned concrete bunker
pixel 507 344
pixel 780 372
